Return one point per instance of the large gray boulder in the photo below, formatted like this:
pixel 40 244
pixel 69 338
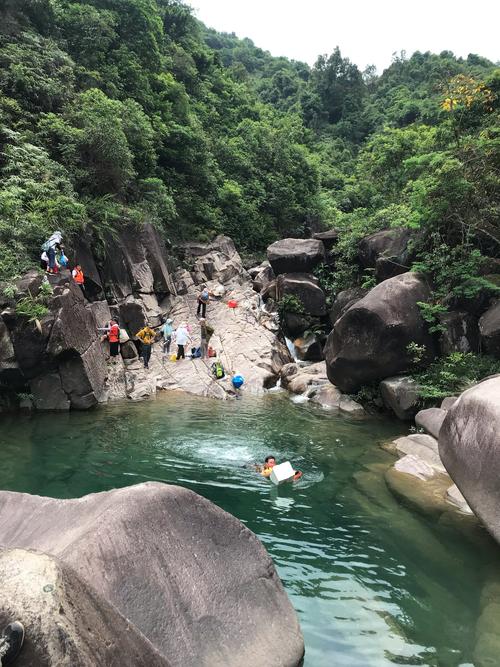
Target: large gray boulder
pixel 401 395
pixel 295 255
pixel 460 333
pixel 305 288
pixel 66 621
pixel 190 577
pixel 344 300
pixel 489 328
pixel 386 252
pixel 329 238
pixel 369 342
pixel 430 420
pixel 469 445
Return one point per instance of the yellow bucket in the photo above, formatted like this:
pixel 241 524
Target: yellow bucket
pixel 173 357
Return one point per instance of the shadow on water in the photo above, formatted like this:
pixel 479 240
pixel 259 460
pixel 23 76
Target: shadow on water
pixel 374 583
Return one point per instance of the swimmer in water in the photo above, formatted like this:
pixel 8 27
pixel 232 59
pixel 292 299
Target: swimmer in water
pixel 267 468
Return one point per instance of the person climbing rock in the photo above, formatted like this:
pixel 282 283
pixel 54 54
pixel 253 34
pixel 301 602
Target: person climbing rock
pixel 203 299
pixel 79 278
pixel 50 246
pixel 206 332
pixel 167 331
pixel 181 338
pixel 11 643
pixel 147 337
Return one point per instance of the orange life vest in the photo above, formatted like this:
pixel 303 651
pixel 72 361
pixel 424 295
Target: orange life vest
pixel 78 276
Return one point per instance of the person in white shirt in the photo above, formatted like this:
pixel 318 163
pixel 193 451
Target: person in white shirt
pixel 181 338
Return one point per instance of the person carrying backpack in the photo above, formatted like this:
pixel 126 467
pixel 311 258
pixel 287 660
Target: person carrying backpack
pixel 50 246
pixel 203 299
pixel 147 336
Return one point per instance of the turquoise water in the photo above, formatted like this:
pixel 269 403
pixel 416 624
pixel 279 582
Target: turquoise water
pixel 374 583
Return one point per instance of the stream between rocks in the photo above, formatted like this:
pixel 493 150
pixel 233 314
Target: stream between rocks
pixel 374 583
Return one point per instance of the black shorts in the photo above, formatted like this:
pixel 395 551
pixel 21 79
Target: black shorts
pixel 114 349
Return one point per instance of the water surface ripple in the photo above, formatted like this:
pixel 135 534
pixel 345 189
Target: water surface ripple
pixel 374 583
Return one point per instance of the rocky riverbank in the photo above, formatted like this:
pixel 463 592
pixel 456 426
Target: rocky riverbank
pixel 57 361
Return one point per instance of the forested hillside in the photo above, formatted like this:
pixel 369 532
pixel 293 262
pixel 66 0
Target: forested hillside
pixel 115 112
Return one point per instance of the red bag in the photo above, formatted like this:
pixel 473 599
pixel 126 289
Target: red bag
pixel 211 352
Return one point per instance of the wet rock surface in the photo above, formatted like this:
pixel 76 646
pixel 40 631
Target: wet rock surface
pixel 187 576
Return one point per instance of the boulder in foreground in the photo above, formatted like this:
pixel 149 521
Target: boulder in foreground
pixel 66 621
pixel 469 445
pixel 188 576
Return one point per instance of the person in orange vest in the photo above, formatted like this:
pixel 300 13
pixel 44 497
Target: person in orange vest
pixel 112 335
pixel 79 278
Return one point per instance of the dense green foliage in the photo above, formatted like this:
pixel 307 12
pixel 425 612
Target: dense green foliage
pixel 451 375
pixel 115 112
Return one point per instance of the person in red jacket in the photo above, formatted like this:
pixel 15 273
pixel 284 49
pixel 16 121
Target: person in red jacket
pixel 113 337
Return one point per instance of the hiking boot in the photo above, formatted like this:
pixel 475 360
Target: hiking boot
pixel 11 642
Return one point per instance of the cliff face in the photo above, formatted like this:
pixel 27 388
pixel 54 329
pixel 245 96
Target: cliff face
pixel 57 362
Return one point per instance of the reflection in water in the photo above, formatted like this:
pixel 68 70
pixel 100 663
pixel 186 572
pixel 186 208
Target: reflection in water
pixel 374 584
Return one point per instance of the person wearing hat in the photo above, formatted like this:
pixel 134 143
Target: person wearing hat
pixel 167 331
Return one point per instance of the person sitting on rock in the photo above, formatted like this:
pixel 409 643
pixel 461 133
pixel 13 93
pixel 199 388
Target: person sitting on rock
pixel 147 337
pixel 203 299
pixel 11 643
pixel 206 332
pixel 181 338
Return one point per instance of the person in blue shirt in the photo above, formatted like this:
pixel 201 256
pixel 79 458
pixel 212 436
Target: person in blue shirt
pixel 167 331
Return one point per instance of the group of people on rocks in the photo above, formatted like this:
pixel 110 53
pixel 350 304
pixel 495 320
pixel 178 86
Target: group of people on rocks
pixel 53 260
pixel 181 336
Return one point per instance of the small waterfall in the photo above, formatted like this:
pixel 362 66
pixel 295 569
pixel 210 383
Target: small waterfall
pixel 291 349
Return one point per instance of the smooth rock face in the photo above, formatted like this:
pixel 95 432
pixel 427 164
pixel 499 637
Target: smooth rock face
pixel 344 301
pixel 461 333
pixel 430 420
pixel 415 466
pixel 369 342
pixel 197 583
pixel 421 445
pixel 263 278
pixel 400 394
pixel 306 289
pixel 448 402
pixel 489 327
pixel 295 255
pixel 469 445
pixel 327 397
pixel 66 621
pixel 386 252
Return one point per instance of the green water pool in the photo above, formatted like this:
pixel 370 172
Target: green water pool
pixel 374 583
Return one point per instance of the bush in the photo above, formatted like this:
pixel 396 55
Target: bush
pixel 453 374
